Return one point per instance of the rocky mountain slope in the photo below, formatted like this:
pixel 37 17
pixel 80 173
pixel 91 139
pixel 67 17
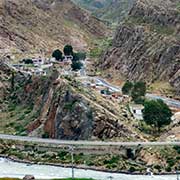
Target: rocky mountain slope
pixel 59 107
pixel 34 25
pixel 112 11
pixel 147 44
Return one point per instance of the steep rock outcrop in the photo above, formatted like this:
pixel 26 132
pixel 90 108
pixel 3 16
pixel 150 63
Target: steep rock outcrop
pixel 146 46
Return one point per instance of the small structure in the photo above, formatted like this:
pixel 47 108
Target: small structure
pixel 39 72
pixel 18 66
pixel 38 61
pixel 137 110
pixel 68 58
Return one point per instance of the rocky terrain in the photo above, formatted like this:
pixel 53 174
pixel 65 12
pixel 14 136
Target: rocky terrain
pixel 147 45
pixel 33 25
pixel 59 107
pixel 111 11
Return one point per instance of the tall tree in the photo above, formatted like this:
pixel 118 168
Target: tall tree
pixel 68 50
pixel 57 54
pixel 138 92
pixel 156 113
pixel 127 88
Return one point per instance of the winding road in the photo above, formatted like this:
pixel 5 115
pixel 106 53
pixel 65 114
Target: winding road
pixel 168 101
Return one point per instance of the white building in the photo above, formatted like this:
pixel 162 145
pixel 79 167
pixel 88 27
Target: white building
pixel 38 61
pixel 137 111
pixel 68 58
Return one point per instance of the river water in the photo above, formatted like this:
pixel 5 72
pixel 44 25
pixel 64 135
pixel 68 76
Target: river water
pixel 19 170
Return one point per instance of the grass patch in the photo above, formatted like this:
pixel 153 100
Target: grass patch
pixel 16 119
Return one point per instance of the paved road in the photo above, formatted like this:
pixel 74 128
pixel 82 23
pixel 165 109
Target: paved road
pixel 86 143
pixel 168 101
pixel 101 81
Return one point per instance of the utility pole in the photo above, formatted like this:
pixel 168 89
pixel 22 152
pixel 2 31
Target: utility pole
pixel 177 175
pixel 71 149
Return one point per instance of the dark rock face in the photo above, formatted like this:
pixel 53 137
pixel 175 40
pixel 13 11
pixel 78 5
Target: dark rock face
pixel 147 46
pixel 74 120
pixel 161 12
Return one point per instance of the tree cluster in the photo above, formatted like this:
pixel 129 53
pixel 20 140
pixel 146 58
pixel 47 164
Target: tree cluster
pixel 136 90
pixel 68 51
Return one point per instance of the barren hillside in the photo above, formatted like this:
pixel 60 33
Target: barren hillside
pixel 31 24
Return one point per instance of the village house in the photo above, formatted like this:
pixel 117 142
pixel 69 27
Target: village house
pixel 38 61
pixel 68 58
pixel 18 66
pixel 137 111
pixel 39 72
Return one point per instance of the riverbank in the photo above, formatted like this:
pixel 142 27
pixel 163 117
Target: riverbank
pixel 24 161
pixel 19 170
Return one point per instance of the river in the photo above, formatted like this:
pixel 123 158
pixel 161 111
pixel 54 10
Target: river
pixel 9 168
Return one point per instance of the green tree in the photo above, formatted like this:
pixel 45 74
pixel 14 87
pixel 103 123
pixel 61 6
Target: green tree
pixel 76 65
pixel 127 88
pixel 27 61
pixel 138 92
pixel 68 50
pixel 57 54
pixel 156 113
pixel 75 57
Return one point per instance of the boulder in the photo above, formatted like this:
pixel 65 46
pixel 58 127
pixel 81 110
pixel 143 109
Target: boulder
pixel 28 177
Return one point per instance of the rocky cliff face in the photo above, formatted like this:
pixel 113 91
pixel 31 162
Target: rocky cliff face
pixel 34 25
pixel 147 45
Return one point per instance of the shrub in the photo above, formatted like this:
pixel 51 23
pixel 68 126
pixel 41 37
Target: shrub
pixel 158 167
pixel 171 162
pixel 130 153
pixel 76 65
pixel 22 117
pixel 45 135
pixel 62 155
pixel 19 128
pixel 113 160
pixel 132 169
pixel 168 169
pixel 81 55
pixel 177 148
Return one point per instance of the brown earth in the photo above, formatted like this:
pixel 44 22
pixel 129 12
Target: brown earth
pixel 34 25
